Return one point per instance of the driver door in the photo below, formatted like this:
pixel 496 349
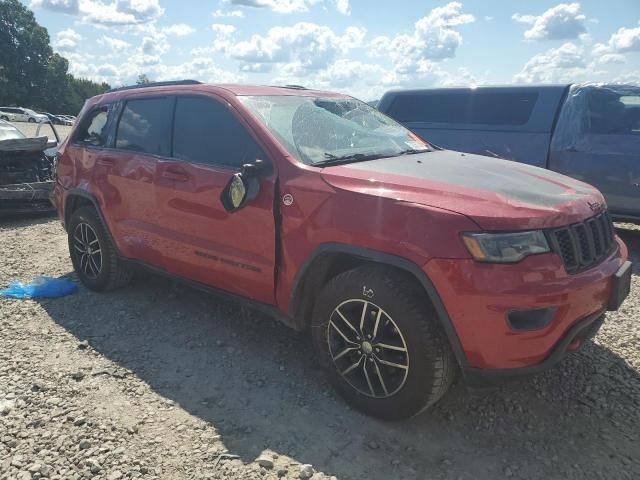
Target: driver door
pixel 234 251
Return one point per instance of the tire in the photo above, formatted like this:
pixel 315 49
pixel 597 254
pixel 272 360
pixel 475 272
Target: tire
pixel 5 118
pixel 406 320
pixel 99 269
pixel 31 120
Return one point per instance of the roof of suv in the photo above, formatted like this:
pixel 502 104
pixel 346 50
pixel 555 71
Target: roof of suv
pixel 228 89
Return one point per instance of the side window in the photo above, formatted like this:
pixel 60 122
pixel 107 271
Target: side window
pixel 465 108
pixel 206 132
pixel 610 113
pixel 145 126
pixel 93 130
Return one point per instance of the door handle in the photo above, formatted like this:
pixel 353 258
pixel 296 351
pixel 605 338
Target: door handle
pixel 106 161
pixel 178 175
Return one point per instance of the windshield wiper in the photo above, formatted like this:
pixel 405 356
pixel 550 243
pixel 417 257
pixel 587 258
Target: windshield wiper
pixel 331 159
pixel 411 151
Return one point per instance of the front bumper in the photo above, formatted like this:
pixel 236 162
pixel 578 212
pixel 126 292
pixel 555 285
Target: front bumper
pixel 582 331
pixel 479 299
pixel 25 198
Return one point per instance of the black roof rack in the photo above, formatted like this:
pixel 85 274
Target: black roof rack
pixel 294 87
pixel 156 84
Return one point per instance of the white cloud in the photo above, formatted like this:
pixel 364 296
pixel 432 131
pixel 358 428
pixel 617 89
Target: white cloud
pixel 563 64
pixel 231 13
pixel 460 78
pixel 204 69
pixel 343 7
pixel 625 40
pixel 307 45
pixel 344 72
pixel 154 45
pixel 67 40
pixel 364 80
pixel 115 44
pixel 628 78
pixel 610 58
pixel 71 7
pixel 564 21
pixel 200 68
pixel 256 67
pixel 82 65
pixel 434 38
pixel 107 70
pixel 223 29
pixel 369 80
pixel 179 30
pixel 280 6
pixel 118 12
pixel 290 6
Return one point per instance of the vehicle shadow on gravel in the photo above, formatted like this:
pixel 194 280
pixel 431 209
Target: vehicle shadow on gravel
pixel 255 381
pixel 10 222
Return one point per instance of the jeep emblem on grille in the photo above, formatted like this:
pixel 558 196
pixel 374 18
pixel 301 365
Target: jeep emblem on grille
pixel 595 206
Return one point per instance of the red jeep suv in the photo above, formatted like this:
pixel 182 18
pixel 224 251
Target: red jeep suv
pixel 405 262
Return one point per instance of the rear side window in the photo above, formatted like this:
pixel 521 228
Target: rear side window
pixel 93 130
pixel 145 126
pixel 610 113
pixel 488 108
pixel 206 132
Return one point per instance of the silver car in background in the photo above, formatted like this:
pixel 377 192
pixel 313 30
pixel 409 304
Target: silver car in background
pixel 17 114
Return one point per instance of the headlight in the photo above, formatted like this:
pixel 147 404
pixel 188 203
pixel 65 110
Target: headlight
pixel 505 247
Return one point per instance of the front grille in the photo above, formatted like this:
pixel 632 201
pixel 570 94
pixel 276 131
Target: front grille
pixel 583 245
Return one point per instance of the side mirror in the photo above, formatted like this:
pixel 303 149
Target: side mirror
pixel 242 188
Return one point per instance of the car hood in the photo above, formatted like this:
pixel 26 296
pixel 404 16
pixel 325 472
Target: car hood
pixel 496 194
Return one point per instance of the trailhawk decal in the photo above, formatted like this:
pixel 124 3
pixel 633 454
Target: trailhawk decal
pixel 227 261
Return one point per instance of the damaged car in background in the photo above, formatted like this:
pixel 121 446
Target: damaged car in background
pixel 26 170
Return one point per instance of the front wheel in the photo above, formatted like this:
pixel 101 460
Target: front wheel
pixel 32 120
pixel 5 118
pixel 93 254
pixel 377 336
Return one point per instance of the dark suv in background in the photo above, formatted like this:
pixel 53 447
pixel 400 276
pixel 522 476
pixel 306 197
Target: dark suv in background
pixel 590 131
pixel 405 263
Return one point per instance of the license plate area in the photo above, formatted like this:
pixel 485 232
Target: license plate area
pixel 621 287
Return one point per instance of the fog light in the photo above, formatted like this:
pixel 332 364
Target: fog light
pixel 531 319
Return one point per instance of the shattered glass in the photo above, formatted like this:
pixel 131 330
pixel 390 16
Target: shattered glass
pixel 599 119
pixel 314 129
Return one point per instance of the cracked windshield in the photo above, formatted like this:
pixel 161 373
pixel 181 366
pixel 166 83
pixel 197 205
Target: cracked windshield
pixel 319 130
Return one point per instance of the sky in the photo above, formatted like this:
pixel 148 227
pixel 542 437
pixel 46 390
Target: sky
pixel 359 47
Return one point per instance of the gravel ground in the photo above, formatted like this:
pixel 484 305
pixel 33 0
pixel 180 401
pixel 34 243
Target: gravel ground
pixel 158 381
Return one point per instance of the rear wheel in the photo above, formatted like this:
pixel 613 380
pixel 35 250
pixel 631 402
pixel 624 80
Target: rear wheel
pixel 32 120
pixel 93 254
pixel 5 118
pixel 377 337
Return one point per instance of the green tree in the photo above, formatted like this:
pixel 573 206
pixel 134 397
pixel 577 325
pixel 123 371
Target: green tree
pixel 31 74
pixel 142 79
pixel 57 92
pixel 24 53
pixel 81 89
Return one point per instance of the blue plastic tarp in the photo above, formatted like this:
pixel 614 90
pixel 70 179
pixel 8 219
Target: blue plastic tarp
pixel 40 287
